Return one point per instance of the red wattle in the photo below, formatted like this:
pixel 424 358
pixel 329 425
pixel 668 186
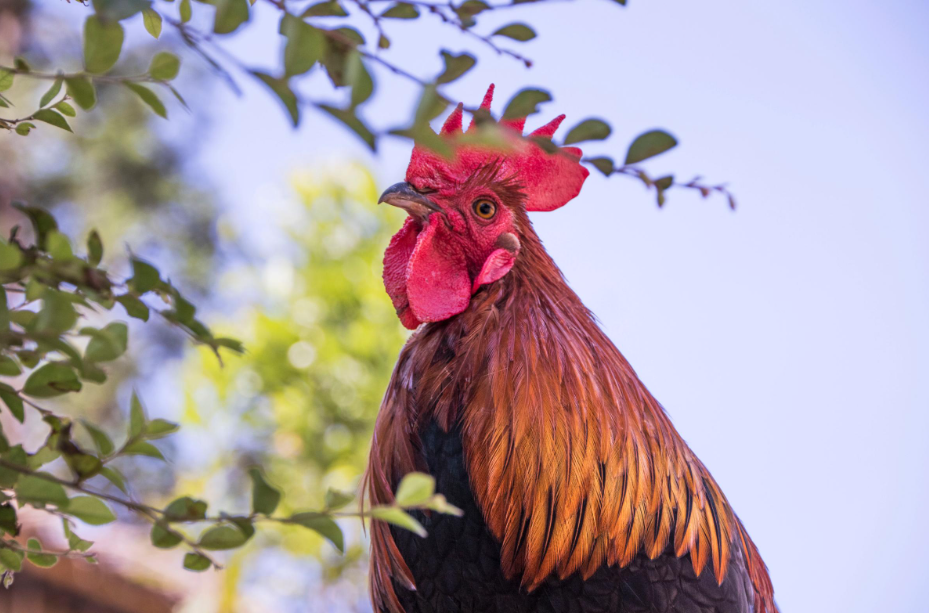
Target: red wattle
pixel 396 266
pixel 437 285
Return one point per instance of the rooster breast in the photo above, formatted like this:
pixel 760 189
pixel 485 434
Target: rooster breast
pixel 457 567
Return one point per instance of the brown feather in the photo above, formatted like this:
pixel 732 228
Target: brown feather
pixel 572 461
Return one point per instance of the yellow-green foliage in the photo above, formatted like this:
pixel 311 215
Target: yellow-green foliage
pixel 320 344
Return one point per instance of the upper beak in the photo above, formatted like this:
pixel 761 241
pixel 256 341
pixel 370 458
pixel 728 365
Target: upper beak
pixel 404 196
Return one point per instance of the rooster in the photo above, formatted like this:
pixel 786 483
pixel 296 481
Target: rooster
pixel 579 496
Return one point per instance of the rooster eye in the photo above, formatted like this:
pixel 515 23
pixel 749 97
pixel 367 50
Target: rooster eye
pixel 485 209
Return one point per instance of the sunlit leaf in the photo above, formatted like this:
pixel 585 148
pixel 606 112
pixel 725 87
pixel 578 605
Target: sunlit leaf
pixel 415 489
pixel 220 538
pixel 152 21
pixel 39 491
pixel 81 89
pixel 400 518
pixel 53 91
pixel 52 117
pixel 230 14
pixel 164 66
pixel 265 497
pixel 148 97
pixel 325 9
pixel 42 560
pixel 103 42
pixel 196 562
pixel 323 525
pixel 90 510
pixel 53 379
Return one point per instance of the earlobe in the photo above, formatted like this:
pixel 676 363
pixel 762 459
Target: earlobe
pixel 499 262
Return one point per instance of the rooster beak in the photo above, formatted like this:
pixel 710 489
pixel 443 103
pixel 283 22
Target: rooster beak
pixel 403 195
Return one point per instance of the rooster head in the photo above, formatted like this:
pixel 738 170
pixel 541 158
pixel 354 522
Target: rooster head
pixel 467 212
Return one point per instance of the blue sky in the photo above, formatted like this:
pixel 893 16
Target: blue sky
pixel 789 340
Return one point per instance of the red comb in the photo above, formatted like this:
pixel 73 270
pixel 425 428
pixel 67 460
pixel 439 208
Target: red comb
pixel 549 180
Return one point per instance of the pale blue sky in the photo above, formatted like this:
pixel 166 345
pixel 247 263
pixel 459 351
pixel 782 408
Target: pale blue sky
pixel 788 340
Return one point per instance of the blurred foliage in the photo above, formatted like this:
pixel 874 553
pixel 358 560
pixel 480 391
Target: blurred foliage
pixel 322 340
pixel 311 44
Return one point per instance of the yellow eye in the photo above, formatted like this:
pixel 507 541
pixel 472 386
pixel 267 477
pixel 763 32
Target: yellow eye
pixel 485 209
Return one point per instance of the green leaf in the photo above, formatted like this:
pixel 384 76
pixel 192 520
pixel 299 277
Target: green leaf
pixel 24 128
pixel 65 109
pixel 102 442
pixel 108 343
pixel 589 129
pixel 81 89
pixel 144 276
pixel 136 417
pixel 14 403
pixel 134 307
pixel 185 11
pixel 42 560
pixel 8 520
pixel 516 31
pixel 325 9
pixel 525 103
pixel 322 525
pixel 58 246
pixel 440 504
pixel 467 10
pixel 53 379
pixel 455 66
pixel 400 518
pixel 164 66
pixel 160 428
pixel 219 538
pixel 51 93
pixel 90 510
pixel 401 10
pixel 12 560
pixel 103 42
pixel 649 144
pixel 265 497
pixel 148 97
pixel 118 10
pixel 94 248
pixel 603 164
pixel 10 255
pixel 6 80
pixel 152 21
pixel 42 222
pixel 57 313
pixel 230 14
pixel 75 542
pixel 358 77
pixel 415 489
pixel 38 491
pixel 347 117
pixel 186 509
pixel 115 477
pixel 336 500
pixel 9 367
pixel 305 45
pixel 664 182
pixel 52 117
pixel 143 448
pixel 281 88
pixel 163 537
pixel 196 562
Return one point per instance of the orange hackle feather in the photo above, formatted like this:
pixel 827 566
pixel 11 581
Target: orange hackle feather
pixel 572 461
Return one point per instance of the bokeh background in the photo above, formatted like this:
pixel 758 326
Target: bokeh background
pixel 788 340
